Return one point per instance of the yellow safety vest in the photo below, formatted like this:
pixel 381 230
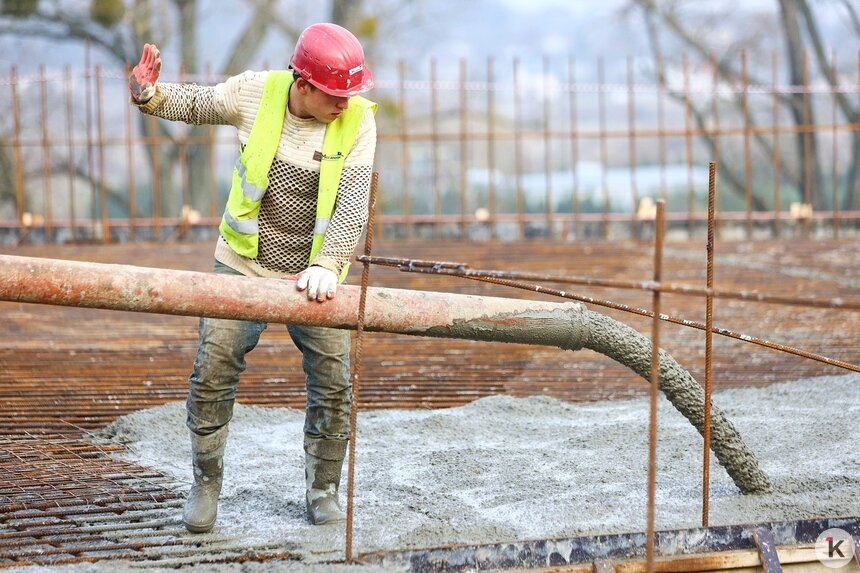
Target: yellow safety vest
pixel 240 223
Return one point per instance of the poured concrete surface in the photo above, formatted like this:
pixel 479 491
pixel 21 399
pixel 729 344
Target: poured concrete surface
pixel 504 469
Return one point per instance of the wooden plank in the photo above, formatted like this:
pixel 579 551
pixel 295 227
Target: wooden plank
pixel 794 559
pixel 603 566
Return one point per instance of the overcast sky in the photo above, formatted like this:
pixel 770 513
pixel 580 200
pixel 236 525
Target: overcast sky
pixel 449 30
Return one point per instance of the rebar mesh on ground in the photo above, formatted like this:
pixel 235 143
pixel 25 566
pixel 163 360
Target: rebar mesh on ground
pixel 64 500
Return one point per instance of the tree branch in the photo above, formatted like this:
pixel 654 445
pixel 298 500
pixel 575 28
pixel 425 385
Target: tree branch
pixel 852 14
pixel 251 38
pixel 759 138
pixel 65 26
pixel 826 68
pixel 726 72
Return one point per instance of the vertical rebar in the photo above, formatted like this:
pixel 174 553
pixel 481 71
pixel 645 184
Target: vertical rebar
pixel 154 147
pixel 709 337
pixel 47 192
pixel 404 148
pixel 547 144
pixel 19 155
pixel 464 152
pixel 70 147
pixel 574 145
pixel 434 146
pixel 631 147
pixel 491 150
pixel 100 135
pixel 357 365
pixel 747 150
pixel 807 144
pixel 518 152
pixel 777 153
pixel 604 151
pixel 88 102
pixel 659 230
pixel 835 151
pixel 129 160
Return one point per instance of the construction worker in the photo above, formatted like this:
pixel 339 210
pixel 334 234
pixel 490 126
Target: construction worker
pixel 298 203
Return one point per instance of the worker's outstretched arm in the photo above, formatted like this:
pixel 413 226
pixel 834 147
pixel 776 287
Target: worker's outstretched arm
pixel 144 76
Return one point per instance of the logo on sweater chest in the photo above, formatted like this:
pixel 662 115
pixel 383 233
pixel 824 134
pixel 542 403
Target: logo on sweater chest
pixel 320 156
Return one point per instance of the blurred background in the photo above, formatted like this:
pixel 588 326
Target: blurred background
pixel 503 119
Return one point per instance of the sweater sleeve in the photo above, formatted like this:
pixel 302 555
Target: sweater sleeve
pixel 196 104
pixel 351 210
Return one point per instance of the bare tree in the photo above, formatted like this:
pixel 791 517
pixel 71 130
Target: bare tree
pixel 121 39
pixel 800 32
pixel 119 29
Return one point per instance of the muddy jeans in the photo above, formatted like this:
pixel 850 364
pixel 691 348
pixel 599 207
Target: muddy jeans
pixel 221 359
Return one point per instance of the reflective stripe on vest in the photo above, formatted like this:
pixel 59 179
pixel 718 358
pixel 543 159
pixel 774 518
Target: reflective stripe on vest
pixel 240 223
pixel 321 226
pixel 251 191
pixel 244 226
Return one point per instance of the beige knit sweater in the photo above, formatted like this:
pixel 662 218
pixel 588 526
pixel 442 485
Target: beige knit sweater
pixel 288 210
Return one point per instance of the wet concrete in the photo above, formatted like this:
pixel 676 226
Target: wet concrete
pixel 504 469
pixel 634 350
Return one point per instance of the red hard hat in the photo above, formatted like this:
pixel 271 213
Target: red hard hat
pixel 331 58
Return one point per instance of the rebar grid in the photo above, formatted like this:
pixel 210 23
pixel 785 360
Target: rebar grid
pixel 65 501
pixel 554 123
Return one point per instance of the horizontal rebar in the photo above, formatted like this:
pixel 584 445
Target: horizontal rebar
pixel 54 530
pixel 451 269
pixel 463 269
pixel 85 507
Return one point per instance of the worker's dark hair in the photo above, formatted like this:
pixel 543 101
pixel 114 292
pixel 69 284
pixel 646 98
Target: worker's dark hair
pixel 297 75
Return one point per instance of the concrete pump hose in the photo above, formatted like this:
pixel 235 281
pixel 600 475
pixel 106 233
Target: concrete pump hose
pixel 632 349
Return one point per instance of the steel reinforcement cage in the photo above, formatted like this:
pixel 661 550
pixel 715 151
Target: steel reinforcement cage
pixel 476 151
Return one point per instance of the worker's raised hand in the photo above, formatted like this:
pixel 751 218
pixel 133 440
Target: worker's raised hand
pixel 320 283
pixel 144 76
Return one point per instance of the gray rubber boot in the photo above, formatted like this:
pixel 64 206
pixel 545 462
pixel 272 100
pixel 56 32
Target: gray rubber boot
pixel 207 455
pixel 322 478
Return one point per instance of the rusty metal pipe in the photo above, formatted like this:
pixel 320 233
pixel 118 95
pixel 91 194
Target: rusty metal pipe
pixel 162 291
pixel 567 325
